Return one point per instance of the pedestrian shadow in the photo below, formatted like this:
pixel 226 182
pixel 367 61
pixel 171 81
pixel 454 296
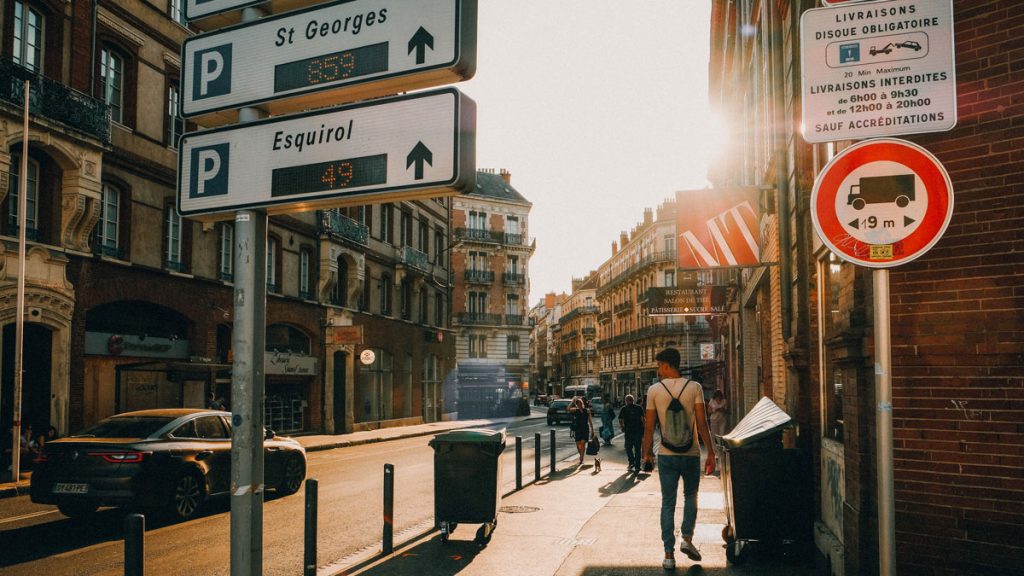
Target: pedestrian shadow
pixel 426 557
pixel 622 484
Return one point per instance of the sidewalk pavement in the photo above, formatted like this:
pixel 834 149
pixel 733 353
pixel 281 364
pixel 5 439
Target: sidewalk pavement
pixel 316 442
pixel 579 522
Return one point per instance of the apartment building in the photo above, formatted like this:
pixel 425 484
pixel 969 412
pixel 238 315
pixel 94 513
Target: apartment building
pixel 490 267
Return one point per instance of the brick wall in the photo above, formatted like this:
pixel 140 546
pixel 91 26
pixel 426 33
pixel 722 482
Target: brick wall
pixel 958 325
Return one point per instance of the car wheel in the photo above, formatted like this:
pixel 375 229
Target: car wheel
pixel 77 510
pixel 294 474
pixel 189 494
pixel 551 422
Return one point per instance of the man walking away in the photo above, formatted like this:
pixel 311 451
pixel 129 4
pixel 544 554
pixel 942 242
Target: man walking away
pixel 631 420
pixel 677 404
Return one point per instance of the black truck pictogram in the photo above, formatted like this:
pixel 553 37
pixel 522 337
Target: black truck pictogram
pixel 882 189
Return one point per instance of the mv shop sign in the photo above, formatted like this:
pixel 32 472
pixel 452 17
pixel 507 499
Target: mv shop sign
pixel 342 51
pixel 874 69
pixel 400 148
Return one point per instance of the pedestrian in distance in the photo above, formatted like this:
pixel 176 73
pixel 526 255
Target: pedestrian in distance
pixel 582 428
pixel 718 410
pixel 631 420
pixel 607 421
pixel 213 403
pixel 676 405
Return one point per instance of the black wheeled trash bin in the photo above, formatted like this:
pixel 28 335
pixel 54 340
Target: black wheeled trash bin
pixel 764 491
pixel 467 480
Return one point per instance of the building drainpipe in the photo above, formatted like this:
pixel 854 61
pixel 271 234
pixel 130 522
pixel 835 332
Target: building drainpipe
pixel 92 50
pixel 781 171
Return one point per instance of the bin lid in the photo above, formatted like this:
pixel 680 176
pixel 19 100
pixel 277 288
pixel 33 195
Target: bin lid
pixel 765 419
pixel 476 435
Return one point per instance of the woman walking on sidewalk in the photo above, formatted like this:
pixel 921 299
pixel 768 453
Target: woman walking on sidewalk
pixel 582 427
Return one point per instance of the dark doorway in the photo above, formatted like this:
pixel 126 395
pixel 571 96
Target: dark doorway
pixel 35 392
pixel 340 362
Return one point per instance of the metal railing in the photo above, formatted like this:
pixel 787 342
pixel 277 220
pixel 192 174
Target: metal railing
pixel 479 318
pixel 478 235
pixel 513 278
pixel 415 258
pixel 336 225
pixel 55 101
pixel 514 319
pixel 479 276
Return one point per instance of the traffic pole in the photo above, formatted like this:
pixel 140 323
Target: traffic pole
pixel 389 507
pixel 536 456
pixel 309 556
pixel 552 451
pixel 519 462
pixel 134 545
pixel 883 416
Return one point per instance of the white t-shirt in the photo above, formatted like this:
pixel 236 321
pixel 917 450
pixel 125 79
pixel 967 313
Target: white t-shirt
pixel 659 396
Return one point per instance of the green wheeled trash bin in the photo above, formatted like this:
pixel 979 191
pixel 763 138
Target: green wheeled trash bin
pixel 763 487
pixel 467 480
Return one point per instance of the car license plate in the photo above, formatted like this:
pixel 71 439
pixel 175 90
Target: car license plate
pixel 68 488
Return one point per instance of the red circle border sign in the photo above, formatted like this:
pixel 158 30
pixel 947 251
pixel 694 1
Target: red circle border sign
pixel 933 176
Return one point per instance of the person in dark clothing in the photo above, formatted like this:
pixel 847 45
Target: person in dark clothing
pixel 582 427
pixel 631 420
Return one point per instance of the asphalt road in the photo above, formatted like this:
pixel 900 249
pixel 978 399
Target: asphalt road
pixel 37 539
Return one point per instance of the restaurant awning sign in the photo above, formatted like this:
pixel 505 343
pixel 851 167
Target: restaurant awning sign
pixel 693 300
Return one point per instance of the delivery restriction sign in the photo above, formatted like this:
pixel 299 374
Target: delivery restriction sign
pixel 881 203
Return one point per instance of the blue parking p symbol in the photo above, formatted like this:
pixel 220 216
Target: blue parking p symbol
pixel 208 171
pixel 211 72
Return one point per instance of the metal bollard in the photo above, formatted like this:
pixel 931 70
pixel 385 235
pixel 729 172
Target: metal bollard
pixel 552 451
pixel 309 558
pixel 134 545
pixel 389 507
pixel 536 456
pixel 519 462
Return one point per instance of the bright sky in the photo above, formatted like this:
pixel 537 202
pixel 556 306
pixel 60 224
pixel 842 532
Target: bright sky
pixel 598 108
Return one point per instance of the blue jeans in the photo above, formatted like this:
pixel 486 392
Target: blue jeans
pixel 670 469
pixel 633 442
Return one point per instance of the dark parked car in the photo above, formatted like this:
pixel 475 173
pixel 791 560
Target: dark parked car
pixel 558 411
pixel 170 459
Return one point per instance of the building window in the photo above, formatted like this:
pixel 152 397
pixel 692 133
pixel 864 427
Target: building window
pixel 438 246
pixel 177 11
pixel 424 300
pixel 376 383
pixel 833 317
pixel 107 228
pixel 477 346
pixel 405 229
pixel 406 300
pixel 28 36
pixel 424 237
pixel 31 201
pixel 670 278
pixel 305 272
pixel 172 240
pixel 226 251
pixel 339 296
pixel 387 224
pixel 364 297
pixel 112 82
pixel 272 247
pixel 512 225
pixel 385 295
pixel 175 125
pixel 477 302
pixel 512 307
pixel 513 347
pixel 477 261
pixel 477 220
pixel 439 310
pixel 670 243
pixel 512 264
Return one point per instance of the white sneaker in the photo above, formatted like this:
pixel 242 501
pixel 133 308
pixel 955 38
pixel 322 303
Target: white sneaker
pixel 690 550
pixel 668 563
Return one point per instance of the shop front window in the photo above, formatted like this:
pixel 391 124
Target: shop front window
pixel 376 382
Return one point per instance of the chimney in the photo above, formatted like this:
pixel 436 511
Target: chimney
pixel 506 176
pixel 615 248
pixel 549 300
pixel 623 239
pixel 648 216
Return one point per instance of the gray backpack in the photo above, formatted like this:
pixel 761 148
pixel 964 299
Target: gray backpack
pixel 677 429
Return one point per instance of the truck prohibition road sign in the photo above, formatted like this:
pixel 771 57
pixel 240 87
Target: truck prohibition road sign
pixel 881 203
pixel 327 54
pixel 401 148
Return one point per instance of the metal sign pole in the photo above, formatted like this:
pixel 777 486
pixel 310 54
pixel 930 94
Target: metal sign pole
pixel 247 380
pixel 883 393
pixel 19 326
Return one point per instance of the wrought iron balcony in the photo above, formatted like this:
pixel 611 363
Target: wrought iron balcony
pixel 514 319
pixel 479 318
pixel 55 101
pixel 589 331
pixel 415 259
pixel 336 225
pixel 479 276
pixel 513 278
pixel 478 235
pixel 624 308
